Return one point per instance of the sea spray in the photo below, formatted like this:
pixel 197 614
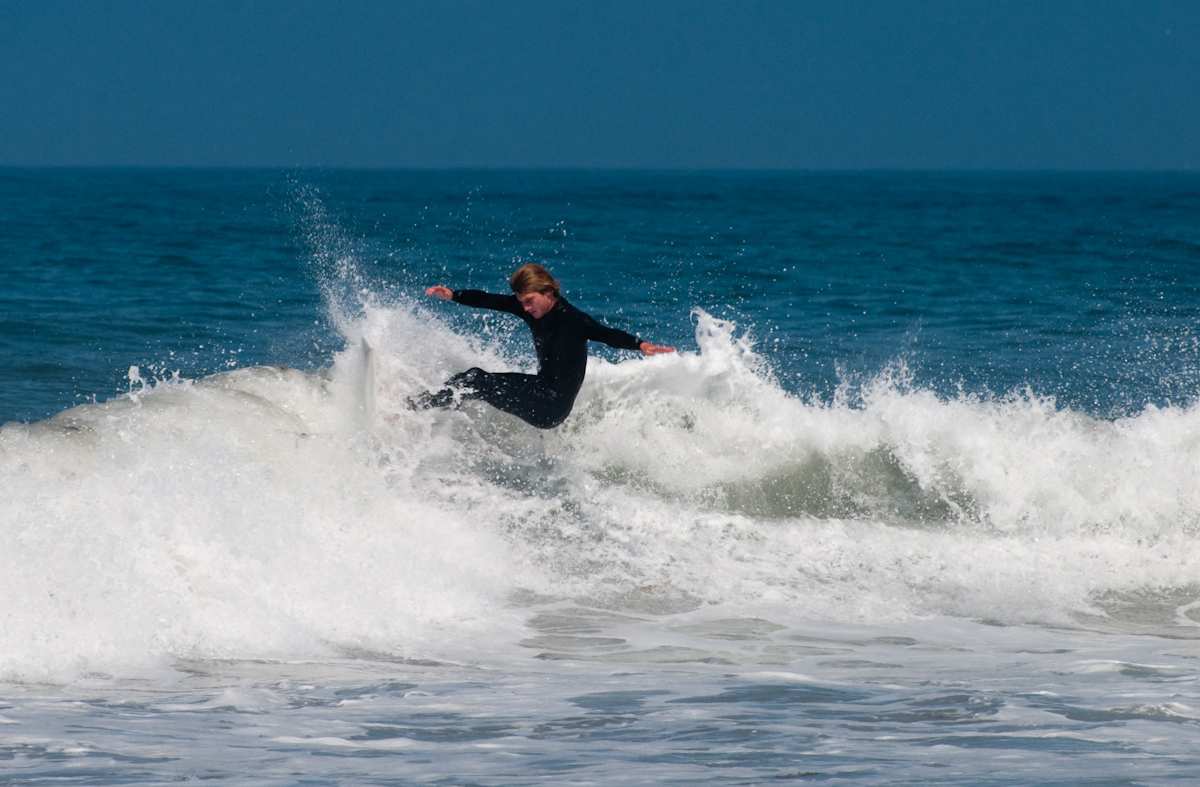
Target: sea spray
pixel 673 464
pixel 237 517
pixel 253 514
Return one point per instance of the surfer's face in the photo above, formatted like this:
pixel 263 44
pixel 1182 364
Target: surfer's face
pixel 536 304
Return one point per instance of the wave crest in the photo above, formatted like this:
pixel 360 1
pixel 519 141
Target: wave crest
pixel 265 512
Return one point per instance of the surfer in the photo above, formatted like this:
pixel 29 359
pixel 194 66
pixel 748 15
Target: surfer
pixel 560 336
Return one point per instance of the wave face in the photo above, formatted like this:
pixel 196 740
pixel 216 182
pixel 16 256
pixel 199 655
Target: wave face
pixel 267 512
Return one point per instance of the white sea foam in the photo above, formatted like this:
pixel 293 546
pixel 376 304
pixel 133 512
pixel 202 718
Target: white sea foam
pixel 239 516
pixel 273 513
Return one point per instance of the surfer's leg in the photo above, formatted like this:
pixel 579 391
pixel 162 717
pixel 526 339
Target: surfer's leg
pixel 463 384
pixel 522 395
pixel 429 399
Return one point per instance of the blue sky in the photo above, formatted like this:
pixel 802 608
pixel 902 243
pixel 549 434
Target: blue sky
pixel 650 84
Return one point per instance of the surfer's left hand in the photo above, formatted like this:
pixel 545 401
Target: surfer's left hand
pixel 648 348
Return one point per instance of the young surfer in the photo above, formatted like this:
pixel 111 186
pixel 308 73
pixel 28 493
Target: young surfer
pixel 560 336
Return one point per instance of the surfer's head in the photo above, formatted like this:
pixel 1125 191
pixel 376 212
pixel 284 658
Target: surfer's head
pixel 535 288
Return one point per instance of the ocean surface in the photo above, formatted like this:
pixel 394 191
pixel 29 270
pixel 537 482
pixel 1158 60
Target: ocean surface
pixel 916 502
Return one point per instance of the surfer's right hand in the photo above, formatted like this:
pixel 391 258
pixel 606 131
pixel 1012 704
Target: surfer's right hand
pixel 440 291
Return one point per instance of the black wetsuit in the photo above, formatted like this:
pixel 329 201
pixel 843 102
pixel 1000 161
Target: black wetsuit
pixel 560 338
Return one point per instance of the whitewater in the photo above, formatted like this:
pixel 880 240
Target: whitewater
pixel 273 575
pixel 689 512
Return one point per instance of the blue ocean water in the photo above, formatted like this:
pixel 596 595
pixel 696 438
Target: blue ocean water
pixel 1079 286
pixel 918 500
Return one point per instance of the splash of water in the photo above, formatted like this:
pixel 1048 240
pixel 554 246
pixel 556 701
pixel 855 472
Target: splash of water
pixel 267 512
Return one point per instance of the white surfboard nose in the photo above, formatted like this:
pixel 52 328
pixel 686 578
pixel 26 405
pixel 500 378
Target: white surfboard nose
pixel 366 386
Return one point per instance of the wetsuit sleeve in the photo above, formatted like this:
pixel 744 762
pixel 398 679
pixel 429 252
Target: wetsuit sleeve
pixel 610 336
pixel 479 299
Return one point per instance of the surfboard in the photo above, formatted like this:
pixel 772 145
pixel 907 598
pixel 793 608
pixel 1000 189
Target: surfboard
pixel 366 384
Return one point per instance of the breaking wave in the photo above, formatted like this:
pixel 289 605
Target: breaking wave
pixel 268 512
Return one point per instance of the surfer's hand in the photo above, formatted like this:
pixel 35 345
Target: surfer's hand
pixel 648 348
pixel 440 291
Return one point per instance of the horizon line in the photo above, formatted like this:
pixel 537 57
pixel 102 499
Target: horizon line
pixel 603 169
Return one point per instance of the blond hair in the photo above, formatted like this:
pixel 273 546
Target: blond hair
pixel 532 277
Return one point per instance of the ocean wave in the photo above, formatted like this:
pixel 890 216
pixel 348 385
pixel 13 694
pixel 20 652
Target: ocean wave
pixel 268 512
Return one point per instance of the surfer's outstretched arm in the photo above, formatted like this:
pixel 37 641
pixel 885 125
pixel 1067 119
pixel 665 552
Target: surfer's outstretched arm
pixel 598 332
pixel 477 299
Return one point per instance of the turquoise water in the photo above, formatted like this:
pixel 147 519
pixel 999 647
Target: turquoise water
pixel 916 502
